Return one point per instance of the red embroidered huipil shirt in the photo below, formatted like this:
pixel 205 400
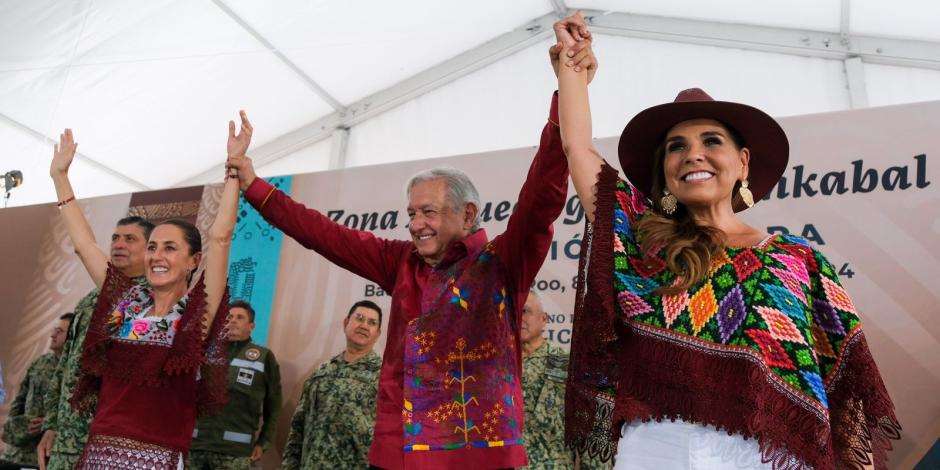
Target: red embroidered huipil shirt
pixel 449 394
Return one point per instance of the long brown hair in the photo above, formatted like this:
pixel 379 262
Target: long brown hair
pixel 688 248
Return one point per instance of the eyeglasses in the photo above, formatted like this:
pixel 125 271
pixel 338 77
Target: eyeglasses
pixel 362 318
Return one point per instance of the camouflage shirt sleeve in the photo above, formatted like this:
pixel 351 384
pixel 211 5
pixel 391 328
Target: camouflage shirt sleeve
pixel 51 400
pixel 14 430
pixel 293 450
pixel 73 345
pixel 26 404
pixel 272 402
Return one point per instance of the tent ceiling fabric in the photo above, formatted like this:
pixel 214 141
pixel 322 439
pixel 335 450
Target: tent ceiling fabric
pixel 356 48
pixel 798 14
pixel 148 87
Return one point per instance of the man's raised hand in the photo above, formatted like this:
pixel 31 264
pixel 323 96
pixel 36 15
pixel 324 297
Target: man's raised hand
pixel 573 46
pixel 241 164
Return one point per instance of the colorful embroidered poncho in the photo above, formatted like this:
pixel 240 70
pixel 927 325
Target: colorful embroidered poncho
pixel 142 372
pixel 768 346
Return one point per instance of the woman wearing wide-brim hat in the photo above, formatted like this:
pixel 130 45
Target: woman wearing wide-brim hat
pixel 700 341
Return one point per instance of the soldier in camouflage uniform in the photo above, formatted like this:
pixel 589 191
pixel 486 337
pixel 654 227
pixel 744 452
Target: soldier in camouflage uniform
pixel 332 426
pixel 544 371
pixel 226 441
pixel 66 431
pixel 23 428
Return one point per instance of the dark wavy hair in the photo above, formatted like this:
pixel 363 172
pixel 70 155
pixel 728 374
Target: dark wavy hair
pixel 688 248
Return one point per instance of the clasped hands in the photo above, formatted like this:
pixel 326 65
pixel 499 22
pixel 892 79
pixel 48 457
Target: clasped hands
pixel 573 43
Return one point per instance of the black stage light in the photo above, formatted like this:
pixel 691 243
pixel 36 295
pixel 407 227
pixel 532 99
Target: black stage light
pixel 8 181
pixel 12 179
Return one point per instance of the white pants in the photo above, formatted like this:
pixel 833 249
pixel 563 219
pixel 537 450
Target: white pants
pixel 684 446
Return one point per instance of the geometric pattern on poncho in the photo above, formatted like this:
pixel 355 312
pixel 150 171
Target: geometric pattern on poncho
pixel 781 299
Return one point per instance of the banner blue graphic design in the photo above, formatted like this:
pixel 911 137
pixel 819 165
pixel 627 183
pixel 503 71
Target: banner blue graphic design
pixel 255 255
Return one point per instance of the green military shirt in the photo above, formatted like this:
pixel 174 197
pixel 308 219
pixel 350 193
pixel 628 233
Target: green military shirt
pixel 70 427
pixel 543 390
pixel 254 393
pixel 332 426
pixel 28 404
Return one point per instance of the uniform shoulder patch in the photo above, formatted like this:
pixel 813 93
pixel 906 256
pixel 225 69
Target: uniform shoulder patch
pixel 253 354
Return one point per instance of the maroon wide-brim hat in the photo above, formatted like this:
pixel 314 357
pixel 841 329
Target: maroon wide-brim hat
pixel 765 138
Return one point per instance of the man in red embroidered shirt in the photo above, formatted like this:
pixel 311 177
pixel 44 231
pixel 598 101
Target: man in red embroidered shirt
pixel 449 392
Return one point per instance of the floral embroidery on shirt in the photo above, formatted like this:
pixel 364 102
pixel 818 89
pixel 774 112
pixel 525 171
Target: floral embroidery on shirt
pixel 130 321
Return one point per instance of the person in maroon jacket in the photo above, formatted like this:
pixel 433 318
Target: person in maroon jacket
pixel 457 299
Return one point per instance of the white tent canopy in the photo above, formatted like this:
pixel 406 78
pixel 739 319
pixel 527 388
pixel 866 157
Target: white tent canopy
pixel 148 87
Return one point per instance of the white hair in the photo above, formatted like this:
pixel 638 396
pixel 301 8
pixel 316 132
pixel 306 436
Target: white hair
pixel 460 190
pixel 535 293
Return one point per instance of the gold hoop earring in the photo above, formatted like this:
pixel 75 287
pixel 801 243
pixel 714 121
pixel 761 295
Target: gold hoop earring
pixel 746 194
pixel 668 202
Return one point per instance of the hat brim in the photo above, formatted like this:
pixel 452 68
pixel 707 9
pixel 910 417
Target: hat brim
pixel 762 134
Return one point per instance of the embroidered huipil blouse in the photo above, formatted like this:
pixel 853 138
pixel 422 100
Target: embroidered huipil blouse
pixel 768 346
pixel 449 390
pixel 149 375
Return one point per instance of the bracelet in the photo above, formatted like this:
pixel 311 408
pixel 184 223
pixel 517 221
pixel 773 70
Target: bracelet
pixel 60 204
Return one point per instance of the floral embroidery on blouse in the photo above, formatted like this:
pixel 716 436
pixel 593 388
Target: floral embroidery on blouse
pixel 130 321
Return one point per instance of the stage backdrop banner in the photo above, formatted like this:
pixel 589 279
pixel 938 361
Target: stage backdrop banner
pixel 253 263
pixel 861 185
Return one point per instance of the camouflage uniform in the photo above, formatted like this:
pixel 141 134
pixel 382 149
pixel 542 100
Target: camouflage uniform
pixel 71 428
pixel 215 461
pixel 28 404
pixel 332 426
pixel 225 440
pixel 543 388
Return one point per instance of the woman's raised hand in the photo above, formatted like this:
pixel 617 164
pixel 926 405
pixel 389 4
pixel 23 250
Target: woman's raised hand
pixel 64 154
pixel 573 46
pixel 238 143
pixel 83 239
pixel 571 30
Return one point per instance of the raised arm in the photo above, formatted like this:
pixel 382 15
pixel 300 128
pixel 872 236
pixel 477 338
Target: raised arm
pixel 360 252
pixel 529 231
pixel 584 162
pixel 83 239
pixel 220 233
